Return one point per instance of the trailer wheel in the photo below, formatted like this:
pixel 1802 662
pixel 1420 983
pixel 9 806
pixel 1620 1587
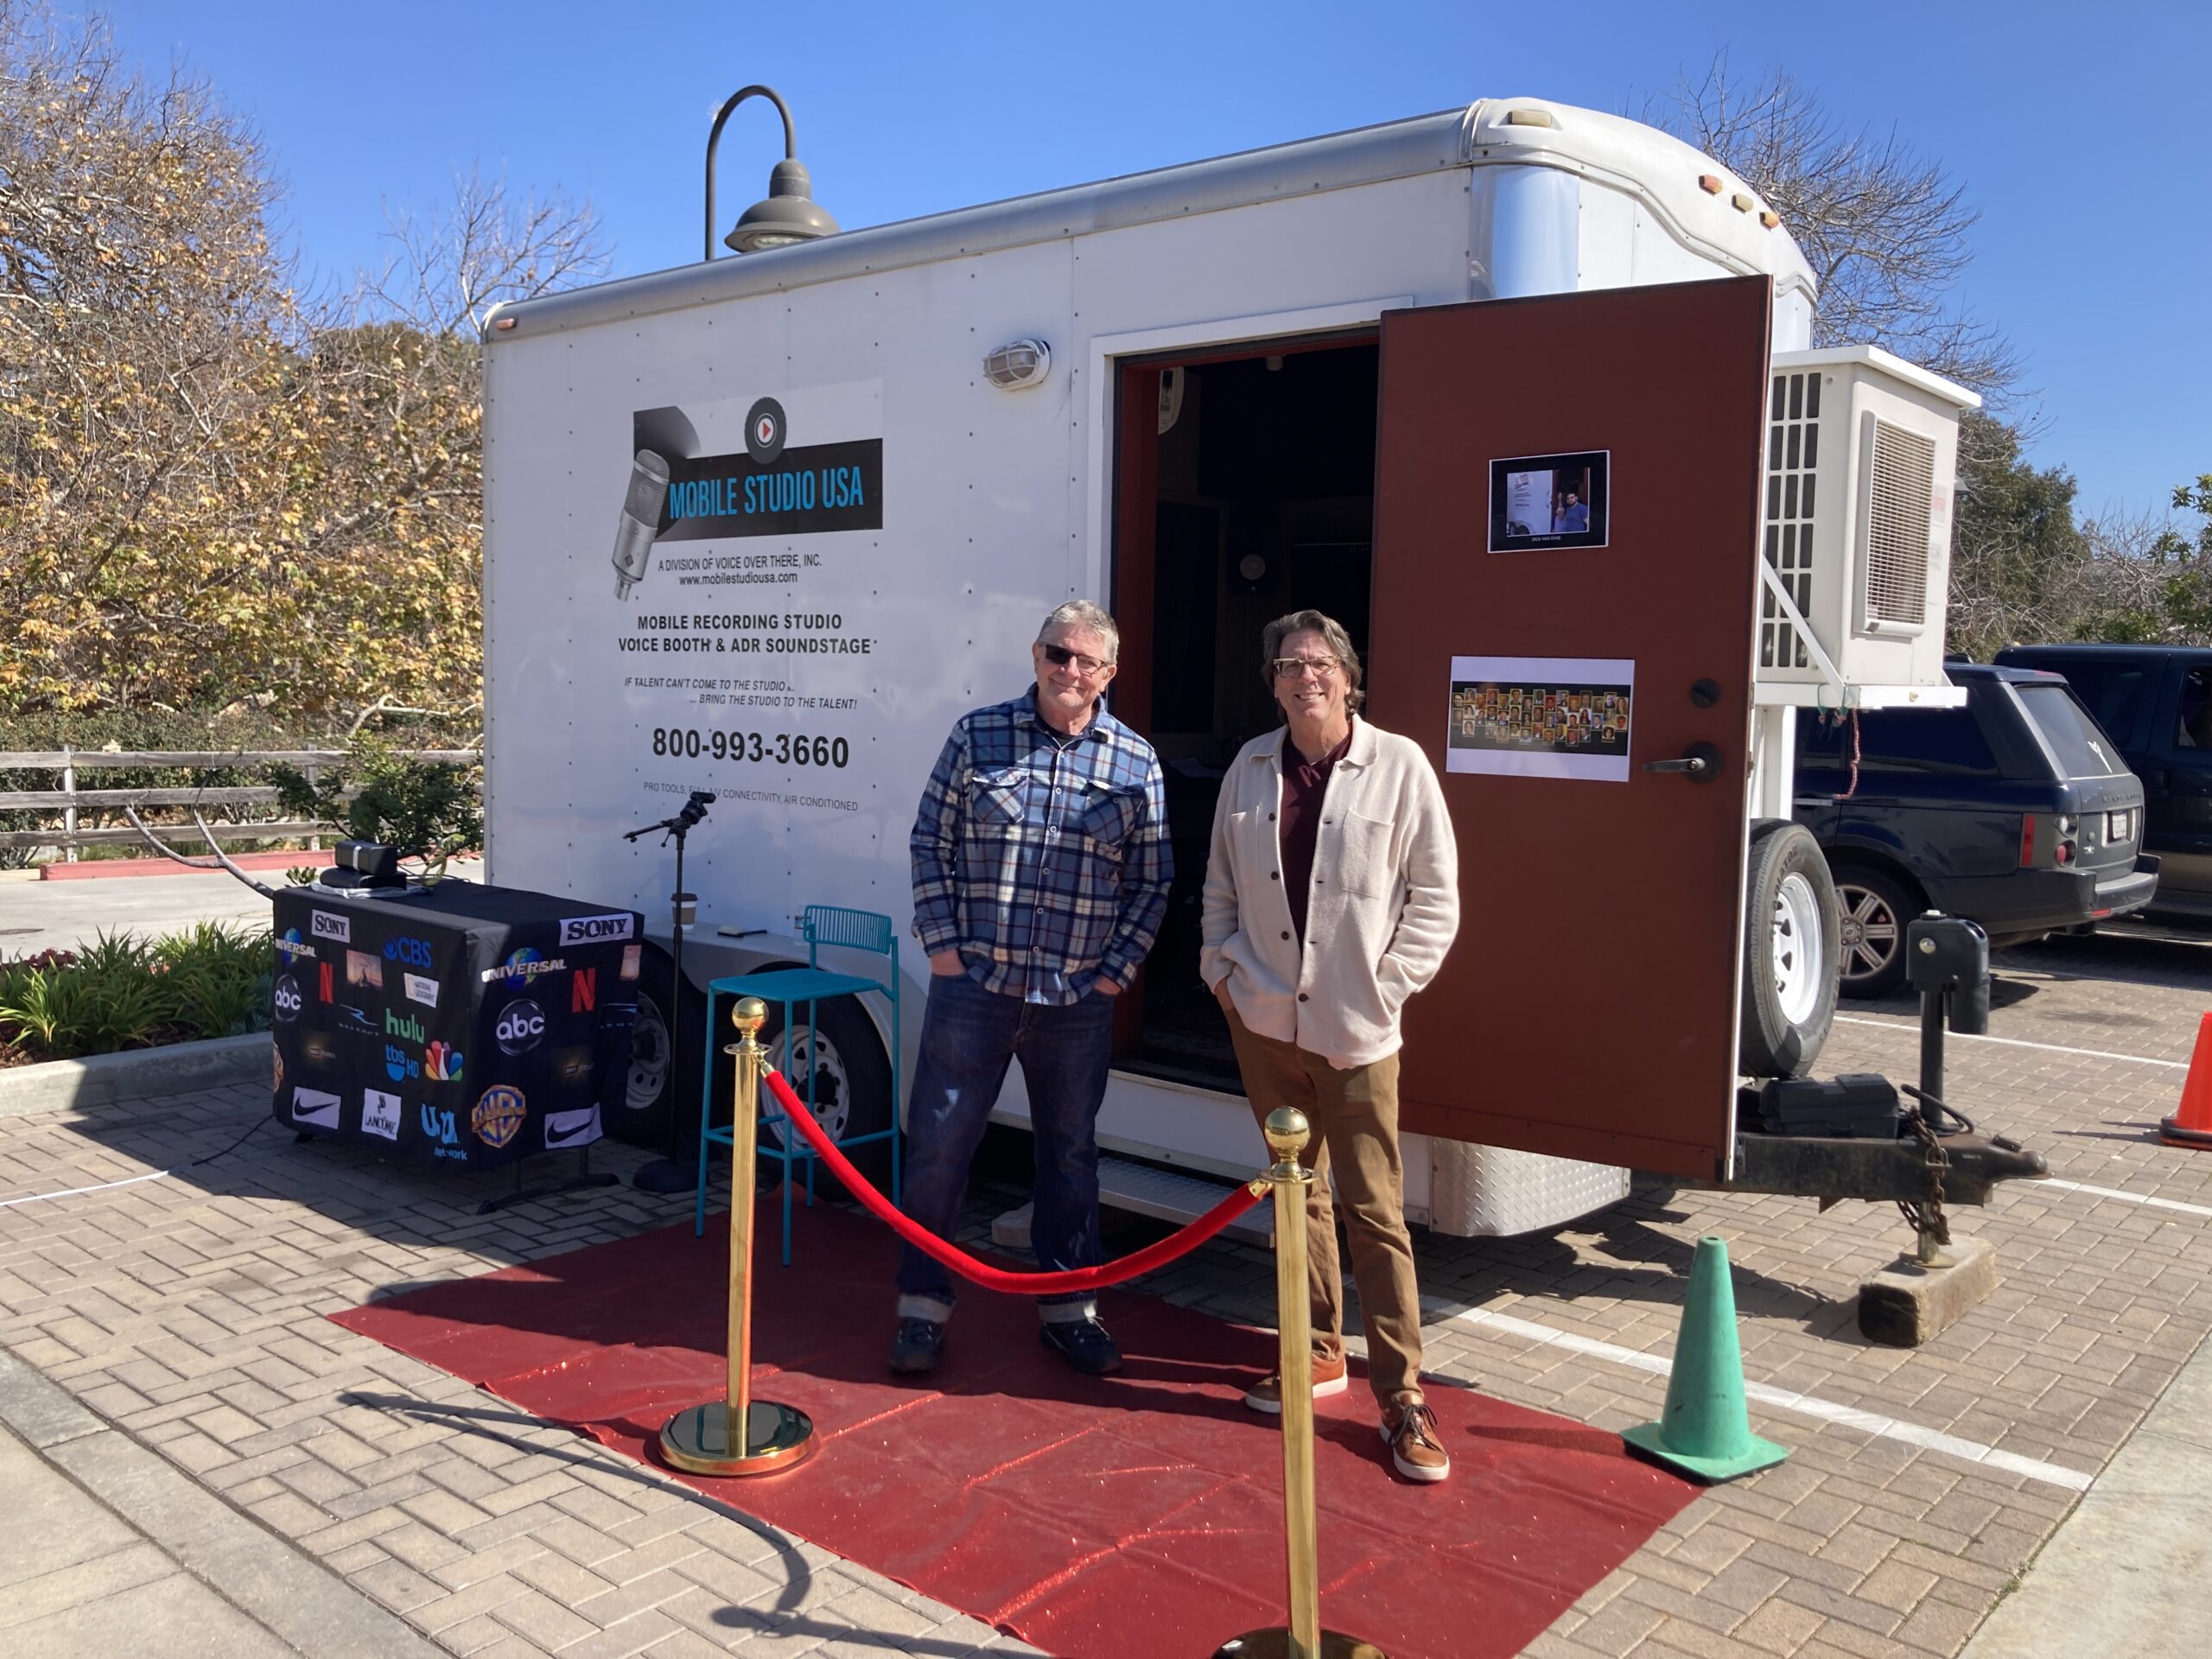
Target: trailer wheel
pixel 663 1075
pixel 1790 934
pixel 851 1086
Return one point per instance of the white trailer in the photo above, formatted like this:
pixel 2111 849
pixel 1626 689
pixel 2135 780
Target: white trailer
pixel 843 480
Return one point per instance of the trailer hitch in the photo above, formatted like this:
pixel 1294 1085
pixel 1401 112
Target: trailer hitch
pixel 1938 1158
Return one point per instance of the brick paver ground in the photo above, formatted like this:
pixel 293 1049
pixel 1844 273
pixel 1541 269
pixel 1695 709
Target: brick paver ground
pixel 189 1311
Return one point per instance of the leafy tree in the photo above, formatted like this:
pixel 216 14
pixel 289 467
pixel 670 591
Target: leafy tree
pixel 2016 554
pixel 427 809
pixel 211 495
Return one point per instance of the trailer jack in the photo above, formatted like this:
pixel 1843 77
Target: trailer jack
pixel 1938 1158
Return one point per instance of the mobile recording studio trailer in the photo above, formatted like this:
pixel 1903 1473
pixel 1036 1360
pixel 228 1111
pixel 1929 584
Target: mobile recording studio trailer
pixel 1517 391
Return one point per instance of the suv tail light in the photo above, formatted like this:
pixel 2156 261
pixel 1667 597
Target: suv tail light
pixel 2061 851
pixel 2027 840
pixel 2063 828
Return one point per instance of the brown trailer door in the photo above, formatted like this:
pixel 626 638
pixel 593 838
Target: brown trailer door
pixel 1589 1008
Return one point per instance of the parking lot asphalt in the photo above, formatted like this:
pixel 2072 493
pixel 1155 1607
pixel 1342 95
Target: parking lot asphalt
pixel 36 915
pixel 1921 1485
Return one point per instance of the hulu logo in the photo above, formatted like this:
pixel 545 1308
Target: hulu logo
pixel 409 1027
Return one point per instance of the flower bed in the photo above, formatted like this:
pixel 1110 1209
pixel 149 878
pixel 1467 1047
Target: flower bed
pixel 124 992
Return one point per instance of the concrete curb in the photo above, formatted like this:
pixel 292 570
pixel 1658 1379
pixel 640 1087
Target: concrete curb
pixel 179 1067
pixel 288 1594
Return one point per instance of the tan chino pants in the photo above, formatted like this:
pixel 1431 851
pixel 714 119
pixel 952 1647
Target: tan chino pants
pixel 1355 1118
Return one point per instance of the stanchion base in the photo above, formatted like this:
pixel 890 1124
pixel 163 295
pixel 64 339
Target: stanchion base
pixel 697 1442
pixel 1276 1644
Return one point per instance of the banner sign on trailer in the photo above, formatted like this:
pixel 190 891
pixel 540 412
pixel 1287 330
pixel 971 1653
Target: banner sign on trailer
pixel 455 1024
pixel 1540 717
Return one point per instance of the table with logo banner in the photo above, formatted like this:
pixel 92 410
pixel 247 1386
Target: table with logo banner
pixel 459 1026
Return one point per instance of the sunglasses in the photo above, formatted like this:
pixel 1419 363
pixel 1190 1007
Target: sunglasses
pixel 1060 656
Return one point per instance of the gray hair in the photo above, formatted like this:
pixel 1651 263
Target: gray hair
pixel 1082 614
pixel 1331 631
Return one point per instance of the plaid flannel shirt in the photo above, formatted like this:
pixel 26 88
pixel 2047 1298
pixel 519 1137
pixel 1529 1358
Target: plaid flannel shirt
pixel 1044 859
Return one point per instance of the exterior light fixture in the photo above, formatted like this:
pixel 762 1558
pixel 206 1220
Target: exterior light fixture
pixel 790 213
pixel 1018 364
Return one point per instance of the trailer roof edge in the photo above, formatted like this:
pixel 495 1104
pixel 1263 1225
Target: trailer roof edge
pixel 1478 133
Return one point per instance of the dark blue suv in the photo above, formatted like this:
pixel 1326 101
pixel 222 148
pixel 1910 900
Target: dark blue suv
pixel 2016 812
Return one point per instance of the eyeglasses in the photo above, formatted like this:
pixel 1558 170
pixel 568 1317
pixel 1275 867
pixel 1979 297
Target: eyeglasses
pixel 1060 656
pixel 1295 668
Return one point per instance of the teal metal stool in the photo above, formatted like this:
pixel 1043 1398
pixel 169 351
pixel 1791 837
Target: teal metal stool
pixel 821 925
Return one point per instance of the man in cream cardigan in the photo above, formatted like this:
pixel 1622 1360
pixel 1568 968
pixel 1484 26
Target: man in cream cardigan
pixel 1332 894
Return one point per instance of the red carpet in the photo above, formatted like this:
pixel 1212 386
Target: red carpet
pixel 1139 1514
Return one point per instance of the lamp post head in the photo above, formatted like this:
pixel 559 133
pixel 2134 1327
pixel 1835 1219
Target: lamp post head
pixel 789 214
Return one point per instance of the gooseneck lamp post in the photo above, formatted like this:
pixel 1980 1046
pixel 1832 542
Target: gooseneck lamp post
pixel 790 213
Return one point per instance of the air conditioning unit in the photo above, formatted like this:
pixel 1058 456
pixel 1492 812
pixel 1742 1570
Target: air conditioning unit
pixel 1855 531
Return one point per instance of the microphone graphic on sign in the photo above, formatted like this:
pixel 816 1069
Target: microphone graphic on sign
pixel 641 510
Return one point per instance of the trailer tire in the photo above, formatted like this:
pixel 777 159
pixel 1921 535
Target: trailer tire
pixel 663 1078
pixel 852 1087
pixel 1790 933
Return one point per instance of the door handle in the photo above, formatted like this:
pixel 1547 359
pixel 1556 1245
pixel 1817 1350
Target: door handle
pixel 1701 764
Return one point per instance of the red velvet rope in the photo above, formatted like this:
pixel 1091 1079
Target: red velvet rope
pixel 1019 1284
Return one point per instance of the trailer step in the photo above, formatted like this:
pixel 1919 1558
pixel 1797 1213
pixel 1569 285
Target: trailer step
pixel 1163 1194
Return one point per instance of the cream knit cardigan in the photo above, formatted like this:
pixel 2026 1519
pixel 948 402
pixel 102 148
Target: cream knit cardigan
pixel 1380 915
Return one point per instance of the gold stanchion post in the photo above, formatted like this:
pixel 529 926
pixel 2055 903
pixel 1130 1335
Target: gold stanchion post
pixel 738 1434
pixel 1288 1133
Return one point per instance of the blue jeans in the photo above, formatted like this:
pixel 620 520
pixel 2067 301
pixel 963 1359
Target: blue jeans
pixel 969 1035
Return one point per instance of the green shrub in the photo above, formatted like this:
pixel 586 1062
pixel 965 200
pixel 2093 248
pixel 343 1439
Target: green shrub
pixel 123 992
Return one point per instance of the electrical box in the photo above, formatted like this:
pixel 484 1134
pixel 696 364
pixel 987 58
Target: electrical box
pixel 1855 532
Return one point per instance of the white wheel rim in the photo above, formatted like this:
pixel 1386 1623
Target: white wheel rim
pixel 1870 932
pixel 791 1054
pixel 1799 964
pixel 649 1057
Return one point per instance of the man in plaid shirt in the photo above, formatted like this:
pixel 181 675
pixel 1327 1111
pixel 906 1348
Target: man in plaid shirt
pixel 1041 868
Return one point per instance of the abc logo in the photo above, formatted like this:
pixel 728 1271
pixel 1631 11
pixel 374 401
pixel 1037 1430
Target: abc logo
pixel 522 1023
pixel 287 998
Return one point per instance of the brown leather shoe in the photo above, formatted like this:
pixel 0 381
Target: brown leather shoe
pixel 1329 1378
pixel 1416 1445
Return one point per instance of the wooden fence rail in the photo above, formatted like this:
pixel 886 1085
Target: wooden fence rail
pixel 69 800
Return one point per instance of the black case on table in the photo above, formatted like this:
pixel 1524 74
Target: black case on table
pixel 458 1026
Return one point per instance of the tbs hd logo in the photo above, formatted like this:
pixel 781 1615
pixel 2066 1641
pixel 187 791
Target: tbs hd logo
pixel 521 1027
pixel 595 930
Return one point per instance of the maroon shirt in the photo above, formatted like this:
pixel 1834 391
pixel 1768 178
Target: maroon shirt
pixel 1304 783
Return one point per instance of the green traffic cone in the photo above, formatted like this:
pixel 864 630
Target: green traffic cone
pixel 1704 1432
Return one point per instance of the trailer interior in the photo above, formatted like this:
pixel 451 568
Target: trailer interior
pixel 1244 489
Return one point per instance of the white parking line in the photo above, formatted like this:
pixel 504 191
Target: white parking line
pixel 70 1192
pixel 1827 1411
pixel 2127 1198
pixel 2015 1042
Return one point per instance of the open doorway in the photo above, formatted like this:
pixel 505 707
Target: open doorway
pixel 1244 489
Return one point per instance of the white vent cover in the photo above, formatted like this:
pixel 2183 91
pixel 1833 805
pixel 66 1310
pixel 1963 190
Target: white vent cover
pixel 1019 364
pixel 1901 491
pixel 1793 461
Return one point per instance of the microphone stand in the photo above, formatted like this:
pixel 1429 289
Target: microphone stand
pixel 673 1172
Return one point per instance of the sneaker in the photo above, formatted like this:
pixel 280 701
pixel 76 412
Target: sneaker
pixel 1329 1378
pixel 1084 1343
pixel 918 1346
pixel 1416 1448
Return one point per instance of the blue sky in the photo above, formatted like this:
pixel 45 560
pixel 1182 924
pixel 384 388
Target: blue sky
pixel 2079 132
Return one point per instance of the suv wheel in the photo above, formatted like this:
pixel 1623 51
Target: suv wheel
pixel 1875 907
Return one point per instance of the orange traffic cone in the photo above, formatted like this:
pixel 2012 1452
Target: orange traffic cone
pixel 2192 1125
